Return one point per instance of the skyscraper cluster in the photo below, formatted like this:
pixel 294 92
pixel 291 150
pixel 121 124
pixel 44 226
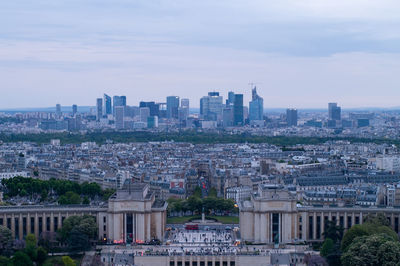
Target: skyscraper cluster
pixel 233 112
pixel 115 110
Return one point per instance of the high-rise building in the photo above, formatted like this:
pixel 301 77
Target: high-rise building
pixel 144 114
pixel 119 117
pixel 152 122
pixel 291 117
pixel 107 110
pixel 163 110
pixel 185 107
pixel 58 110
pixel 231 98
pixel 172 106
pixel 227 116
pixel 99 108
pixel 183 111
pixel 256 106
pixel 154 108
pixel 334 111
pixel 211 106
pixel 74 109
pixel 238 110
pixel 119 101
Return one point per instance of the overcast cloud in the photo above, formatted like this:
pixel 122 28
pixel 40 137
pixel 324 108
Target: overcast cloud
pixel 302 53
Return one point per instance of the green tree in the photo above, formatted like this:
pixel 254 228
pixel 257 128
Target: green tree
pixel 4 261
pixel 212 192
pixel 70 197
pixel 333 231
pixel 366 229
pixel 379 219
pixel 68 261
pixel 209 204
pixel 327 247
pixel 197 192
pixel 21 259
pixel 30 246
pixel 41 255
pixel 107 193
pixel 85 200
pixel 6 240
pixel 357 230
pixel 194 204
pixel 376 249
pixel 77 231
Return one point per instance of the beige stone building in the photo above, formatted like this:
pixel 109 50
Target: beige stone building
pixel 273 216
pixel 132 214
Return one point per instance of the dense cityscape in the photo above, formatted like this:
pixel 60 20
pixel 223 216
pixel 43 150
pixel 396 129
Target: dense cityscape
pixel 214 114
pixel 283 188
pixel 199 133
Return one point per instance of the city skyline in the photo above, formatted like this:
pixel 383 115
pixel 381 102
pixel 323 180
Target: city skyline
pixel 73 51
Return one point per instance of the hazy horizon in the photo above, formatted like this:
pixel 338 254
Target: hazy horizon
pixel 301 54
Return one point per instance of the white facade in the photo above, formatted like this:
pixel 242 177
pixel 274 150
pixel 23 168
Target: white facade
pixel 239 194
pixel 391 164
pixel 8 175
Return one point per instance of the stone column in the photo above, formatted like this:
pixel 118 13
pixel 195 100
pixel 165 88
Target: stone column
pixel 280 227
pixel 263 228
pixel 20 227
pixel 337 218
pixel 51 222
pixel 36 225
pixel 134 221
pixel 44 223
pixel 124 233
pixel 13 225
pixel 322 222
pixel 315 226
pixel 304 226
pixel 257 227
pixel 59 220
pixel 296 225
pixel 148 227
pixel 28 224
pixel 345 220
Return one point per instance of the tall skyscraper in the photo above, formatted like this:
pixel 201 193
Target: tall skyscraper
pixel 119 117
pixel 334 111
pixel 231 98
pixel 99 108
pixel 154 108
pixel 119 101
pixel 162 110
pixel 238 110
pixel 256 106
pixel 172 106
pixel 74 109
pixel 184 109
pixel 107 110
pixel 58 110
pixel 291 117
pixel 227 116
pixel 211 106
pixel 144 114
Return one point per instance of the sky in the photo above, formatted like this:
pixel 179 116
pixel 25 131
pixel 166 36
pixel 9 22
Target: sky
pixel 299 53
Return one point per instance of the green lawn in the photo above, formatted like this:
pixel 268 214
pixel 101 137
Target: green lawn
pixel 221 219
